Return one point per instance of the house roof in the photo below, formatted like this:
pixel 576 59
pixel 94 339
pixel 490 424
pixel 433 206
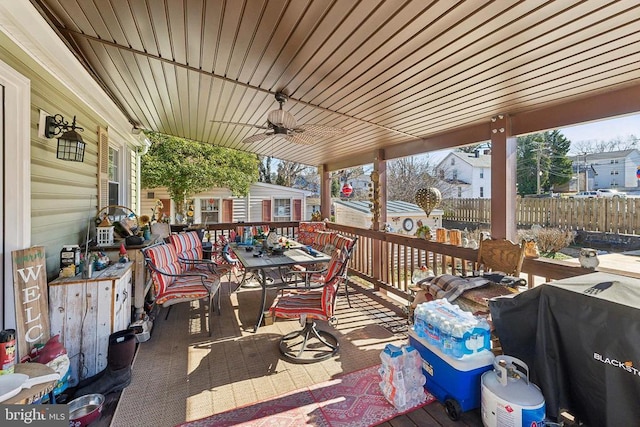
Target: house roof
pixel 604 155
pixel 394 207
pixel 400 78
pixel 277 187
pixel 482 161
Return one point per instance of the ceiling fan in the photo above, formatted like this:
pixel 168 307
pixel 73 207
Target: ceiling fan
pixel 281 123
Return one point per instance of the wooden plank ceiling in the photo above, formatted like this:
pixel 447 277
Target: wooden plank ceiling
pixel 387 72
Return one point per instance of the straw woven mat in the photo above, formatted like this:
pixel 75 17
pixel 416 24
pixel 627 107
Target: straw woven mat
pixel 182 374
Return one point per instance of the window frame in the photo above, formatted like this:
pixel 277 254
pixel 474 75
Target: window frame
pixel 202 202
pixel 274 209
pixel 115 175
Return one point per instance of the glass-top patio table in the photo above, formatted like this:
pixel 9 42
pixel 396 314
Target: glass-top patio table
pixel 256 260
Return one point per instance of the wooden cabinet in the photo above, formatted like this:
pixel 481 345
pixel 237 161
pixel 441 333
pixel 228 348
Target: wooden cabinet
pixel 86 311
pixel 141 278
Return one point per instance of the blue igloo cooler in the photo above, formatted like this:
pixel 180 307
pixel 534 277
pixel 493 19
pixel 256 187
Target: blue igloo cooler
pixel 454 382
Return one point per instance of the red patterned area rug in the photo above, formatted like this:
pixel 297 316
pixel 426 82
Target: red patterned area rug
pixel 353 400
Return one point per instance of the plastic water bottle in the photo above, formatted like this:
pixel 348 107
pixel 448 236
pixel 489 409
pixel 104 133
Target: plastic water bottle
pixel 420 321
pixel 433 333
pixel 391 356
pixel 457 340
pixel 412 359
pixel 445 338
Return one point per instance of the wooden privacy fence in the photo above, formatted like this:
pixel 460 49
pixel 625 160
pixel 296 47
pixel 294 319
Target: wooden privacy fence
pixel 605 215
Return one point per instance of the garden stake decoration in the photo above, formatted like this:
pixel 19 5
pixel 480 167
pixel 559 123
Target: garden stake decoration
pixel 428 199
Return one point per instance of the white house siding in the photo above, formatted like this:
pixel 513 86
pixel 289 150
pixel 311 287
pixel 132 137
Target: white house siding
pixel 249 210
pixel 240 209
pixel 261 191
pixel 616 169
pixel 467 177
pixel 346 213
pixel 351 217
pixel 481 183
pixel 63 193
pixel 632 163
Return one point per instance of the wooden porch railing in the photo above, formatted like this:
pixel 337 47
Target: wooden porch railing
pixel 387 260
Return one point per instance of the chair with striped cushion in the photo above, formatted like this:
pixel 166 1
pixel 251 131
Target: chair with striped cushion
pixel 173 285
pixel 315 274
pixel 189 249
pixel 311 344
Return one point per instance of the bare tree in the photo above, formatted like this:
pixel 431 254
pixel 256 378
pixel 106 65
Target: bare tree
pixel 590 146
pixel 265 168
pixel 288 172
pixel 406 175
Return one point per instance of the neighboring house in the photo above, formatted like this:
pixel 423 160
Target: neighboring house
pixel 613 169
pixel 465 175
pixel 265 202
pixel 402 217
pixel 47 201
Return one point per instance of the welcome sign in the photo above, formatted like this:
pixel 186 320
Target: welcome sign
pixel 31 298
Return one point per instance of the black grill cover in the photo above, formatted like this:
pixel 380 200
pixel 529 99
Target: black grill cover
pixel 581 340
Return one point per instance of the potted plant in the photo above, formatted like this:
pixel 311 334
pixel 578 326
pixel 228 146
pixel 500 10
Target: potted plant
pixel 145 229
pixel 423 231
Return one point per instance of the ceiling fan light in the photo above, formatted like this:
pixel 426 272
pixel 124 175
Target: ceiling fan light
pixel 282 118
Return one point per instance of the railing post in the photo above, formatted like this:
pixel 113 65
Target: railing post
pixel 378 258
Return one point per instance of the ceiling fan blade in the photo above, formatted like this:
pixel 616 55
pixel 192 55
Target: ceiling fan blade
pixel 319 130
pixel 300 138
pixel 282 118
pixel 257 137
pixel 240 124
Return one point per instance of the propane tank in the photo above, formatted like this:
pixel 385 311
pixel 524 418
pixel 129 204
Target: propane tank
pixel 508 398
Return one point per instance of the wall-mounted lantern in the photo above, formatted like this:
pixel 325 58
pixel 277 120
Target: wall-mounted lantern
pixel 70 143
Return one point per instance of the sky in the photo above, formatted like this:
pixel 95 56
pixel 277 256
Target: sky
pixel 603 130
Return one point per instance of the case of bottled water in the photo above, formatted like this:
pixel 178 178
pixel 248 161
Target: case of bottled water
pixel 457 333
pixel 402 380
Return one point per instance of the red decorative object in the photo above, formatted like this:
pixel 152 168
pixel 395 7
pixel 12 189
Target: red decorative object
pixel 347 190
pixel 123 250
